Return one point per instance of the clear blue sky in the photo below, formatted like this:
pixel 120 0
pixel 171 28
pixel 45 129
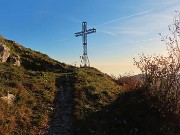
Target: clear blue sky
pixel 125 28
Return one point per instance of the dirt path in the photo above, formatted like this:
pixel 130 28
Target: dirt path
pixel 62 117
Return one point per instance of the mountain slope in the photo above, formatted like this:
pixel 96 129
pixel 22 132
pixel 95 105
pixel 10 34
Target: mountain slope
pixel 50 97
pixel 93 90
pixel 101 106
pixel 34 86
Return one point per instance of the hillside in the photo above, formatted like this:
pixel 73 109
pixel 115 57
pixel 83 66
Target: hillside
pixel 34 86
pixel 102 106
pixel 84 101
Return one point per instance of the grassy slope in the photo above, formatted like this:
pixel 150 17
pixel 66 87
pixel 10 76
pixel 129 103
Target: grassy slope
pixel 34 85
pixel 93 91
pixel 100 107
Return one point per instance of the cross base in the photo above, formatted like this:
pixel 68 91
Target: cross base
pixel 84 61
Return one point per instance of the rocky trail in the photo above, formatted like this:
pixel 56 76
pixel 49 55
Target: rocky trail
pixel 62 117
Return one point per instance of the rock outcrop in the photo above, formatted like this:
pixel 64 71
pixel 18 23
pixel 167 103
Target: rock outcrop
pixel 15 61
pixel 4 53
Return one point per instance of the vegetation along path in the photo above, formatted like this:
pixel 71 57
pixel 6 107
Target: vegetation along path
pixel 62 117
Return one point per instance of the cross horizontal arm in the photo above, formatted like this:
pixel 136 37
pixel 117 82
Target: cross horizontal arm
pixel 77 34
pixel 91 31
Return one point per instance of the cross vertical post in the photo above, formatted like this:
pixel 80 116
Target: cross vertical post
pixel 84 58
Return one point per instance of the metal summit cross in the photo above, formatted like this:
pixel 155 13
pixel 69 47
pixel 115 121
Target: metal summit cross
pixel 84 58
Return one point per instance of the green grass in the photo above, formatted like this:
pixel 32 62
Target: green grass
pixel 34 91
pixel 33 84
pixel 101 106
pixel 92 91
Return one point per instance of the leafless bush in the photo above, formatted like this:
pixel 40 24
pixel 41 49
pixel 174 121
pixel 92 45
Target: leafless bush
pixel 129 82
pixel 161 78
pixel 162 73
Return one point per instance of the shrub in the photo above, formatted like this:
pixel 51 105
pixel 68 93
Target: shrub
pixel 162 76
pixel 129 81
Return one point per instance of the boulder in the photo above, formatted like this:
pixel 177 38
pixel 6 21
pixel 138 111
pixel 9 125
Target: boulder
pixel 15 61
pixel 9 98
pixel 4 53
